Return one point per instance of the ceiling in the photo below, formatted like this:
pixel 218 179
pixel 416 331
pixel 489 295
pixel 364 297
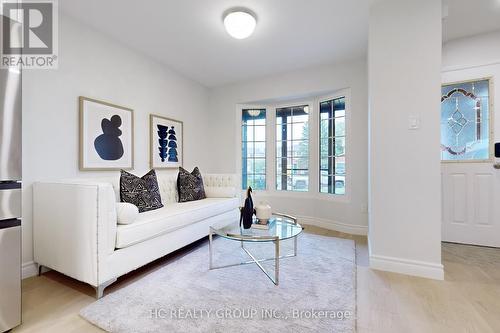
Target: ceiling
pixel 470 17
pixel 188 35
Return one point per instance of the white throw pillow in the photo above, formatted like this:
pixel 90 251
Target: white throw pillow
pixel 126 213
pixel 220 192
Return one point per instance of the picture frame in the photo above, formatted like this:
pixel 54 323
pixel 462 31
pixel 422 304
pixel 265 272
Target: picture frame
pixel 106 136
pixel 166 140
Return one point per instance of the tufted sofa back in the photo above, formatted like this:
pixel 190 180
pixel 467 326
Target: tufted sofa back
pixel 167 182
pixel 220 180
pixel 168 187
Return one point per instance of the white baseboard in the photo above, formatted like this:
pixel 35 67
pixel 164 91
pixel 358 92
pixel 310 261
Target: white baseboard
pixel 407 266
pixel 333 225
pixel 29 269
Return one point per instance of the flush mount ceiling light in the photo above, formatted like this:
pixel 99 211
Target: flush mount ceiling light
pixel 239 23
pixel 254 113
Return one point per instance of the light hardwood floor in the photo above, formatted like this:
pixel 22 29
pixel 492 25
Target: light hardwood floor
pixel 468 300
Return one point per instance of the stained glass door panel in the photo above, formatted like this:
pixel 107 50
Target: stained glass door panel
pixel 465 121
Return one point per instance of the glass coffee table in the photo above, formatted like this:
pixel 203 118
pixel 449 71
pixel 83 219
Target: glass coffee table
pixel 284 227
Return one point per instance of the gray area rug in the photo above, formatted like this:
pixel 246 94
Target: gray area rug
pixel 316 292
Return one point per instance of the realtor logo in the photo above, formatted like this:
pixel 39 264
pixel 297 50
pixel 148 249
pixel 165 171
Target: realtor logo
pixel 29 34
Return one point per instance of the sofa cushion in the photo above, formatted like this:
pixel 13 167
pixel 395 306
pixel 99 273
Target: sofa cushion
pixel 143 191
pixel 190 185
pixel 170 218
pixel 126 213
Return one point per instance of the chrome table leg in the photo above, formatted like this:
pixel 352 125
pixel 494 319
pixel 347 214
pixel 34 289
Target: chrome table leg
pixel 276 261
pixel 210 248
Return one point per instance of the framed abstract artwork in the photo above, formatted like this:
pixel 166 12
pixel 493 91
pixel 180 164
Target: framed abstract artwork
pixel 166 139
pixel 106 136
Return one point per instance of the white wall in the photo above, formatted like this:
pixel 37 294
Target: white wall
pixel 92 65
pixel 404 64
pixel 470 52
pixel 345 215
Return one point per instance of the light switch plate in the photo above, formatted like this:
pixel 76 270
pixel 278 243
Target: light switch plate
pixel 413 122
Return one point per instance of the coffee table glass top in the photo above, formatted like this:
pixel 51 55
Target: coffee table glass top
pixel 283 227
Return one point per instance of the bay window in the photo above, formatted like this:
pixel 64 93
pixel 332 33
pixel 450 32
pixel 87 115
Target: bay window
pixel 299 147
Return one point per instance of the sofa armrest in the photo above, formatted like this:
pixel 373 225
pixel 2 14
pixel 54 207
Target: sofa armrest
pixel 74 227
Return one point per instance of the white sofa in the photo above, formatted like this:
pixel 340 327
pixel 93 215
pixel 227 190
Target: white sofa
pixel 76 231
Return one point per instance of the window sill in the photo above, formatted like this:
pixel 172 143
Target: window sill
pixel 490 160
pixel 344 198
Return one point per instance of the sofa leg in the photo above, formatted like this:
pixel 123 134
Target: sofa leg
pixel 42 269
pixel 99 290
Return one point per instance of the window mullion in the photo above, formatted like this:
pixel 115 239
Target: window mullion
pixel 284 152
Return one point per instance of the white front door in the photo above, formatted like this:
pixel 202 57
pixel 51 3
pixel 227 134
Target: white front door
pixel 470 183
pixel 471 203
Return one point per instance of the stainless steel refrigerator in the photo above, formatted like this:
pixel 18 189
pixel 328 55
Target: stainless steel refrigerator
pixel 10 198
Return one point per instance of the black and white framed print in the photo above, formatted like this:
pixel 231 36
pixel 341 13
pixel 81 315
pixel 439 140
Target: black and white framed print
pixel 166 136
pixel 106 136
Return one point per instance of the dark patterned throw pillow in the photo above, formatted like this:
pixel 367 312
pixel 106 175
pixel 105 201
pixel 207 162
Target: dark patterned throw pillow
pixel 190 185
pixel 142 192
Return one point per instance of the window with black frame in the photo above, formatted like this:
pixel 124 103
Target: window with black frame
pixel 332 146
pixel 253 148
pixel 292 148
